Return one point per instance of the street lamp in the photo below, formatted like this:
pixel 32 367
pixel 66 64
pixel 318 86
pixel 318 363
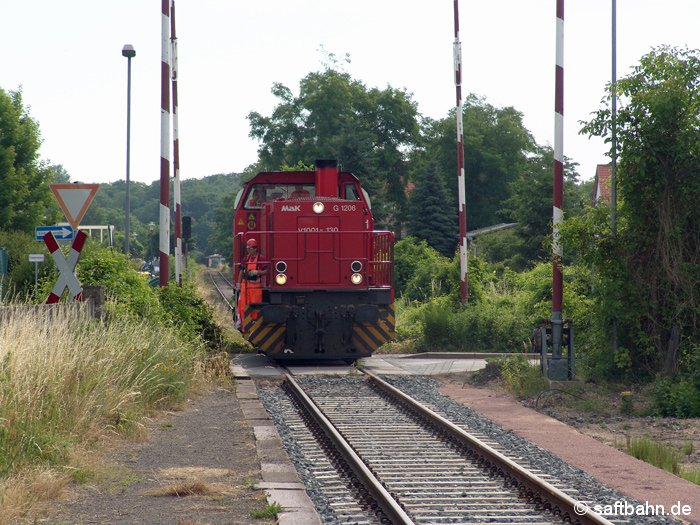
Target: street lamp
pixel 129 52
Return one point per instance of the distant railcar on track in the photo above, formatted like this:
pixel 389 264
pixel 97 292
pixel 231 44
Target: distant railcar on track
pixel 327 274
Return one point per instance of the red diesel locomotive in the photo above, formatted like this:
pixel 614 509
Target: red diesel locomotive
pixel 326 284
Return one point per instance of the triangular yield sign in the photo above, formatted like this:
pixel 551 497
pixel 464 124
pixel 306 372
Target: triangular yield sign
pixel 74 200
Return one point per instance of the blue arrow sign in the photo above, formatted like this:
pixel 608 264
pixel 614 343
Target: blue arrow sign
pixel 60 233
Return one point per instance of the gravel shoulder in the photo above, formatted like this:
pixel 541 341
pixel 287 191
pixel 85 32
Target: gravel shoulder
pixel 197 466
pixel 608 465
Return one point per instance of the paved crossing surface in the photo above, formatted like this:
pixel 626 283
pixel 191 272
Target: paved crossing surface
pixel 258 365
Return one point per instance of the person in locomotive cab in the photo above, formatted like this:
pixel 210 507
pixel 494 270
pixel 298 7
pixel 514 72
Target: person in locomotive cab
pixel 257 198
pixel 299 191
pixel 249 285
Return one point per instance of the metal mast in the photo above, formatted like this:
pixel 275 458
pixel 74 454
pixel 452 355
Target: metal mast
pixel 164 242
pixel 176 153
pixel 462 203
pixel 558 208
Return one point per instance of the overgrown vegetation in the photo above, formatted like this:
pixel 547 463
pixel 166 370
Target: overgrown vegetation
pixel 61 382
pixel 520 377
pixel 270 510
pixel 64 384
pixel 503 309
pixel 661 456
pixel 643 277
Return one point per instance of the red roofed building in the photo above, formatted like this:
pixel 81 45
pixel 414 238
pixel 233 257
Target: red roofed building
pixel 601 184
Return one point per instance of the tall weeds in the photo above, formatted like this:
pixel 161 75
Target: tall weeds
pixel 64 383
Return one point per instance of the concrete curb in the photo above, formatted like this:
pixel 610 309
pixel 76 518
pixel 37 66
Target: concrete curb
pixel 279 478
pixel 460 355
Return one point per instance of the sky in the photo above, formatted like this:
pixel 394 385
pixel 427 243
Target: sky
pixel 66 57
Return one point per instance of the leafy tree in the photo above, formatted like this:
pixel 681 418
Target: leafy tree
pixel 221 238
pixel 369 131
pixel 60 174
pixel 530 205
pixel 20 279
pixel 25 198
pixel 108 208
pixel 496 145
pixel 429 216
pixel 658 240
pixel 420 272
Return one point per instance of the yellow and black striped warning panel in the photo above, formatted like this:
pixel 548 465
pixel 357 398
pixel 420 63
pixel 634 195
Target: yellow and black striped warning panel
pixel 370 336
pixel 366 337
pixel 267 337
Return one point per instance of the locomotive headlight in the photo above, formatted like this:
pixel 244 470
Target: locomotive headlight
pixel 356 266
pixel 356 278
pixel 318 207
pixel 281 279
pixel 281 266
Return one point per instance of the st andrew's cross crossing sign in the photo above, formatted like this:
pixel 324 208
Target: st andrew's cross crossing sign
pixel 74 200
pixel 66 266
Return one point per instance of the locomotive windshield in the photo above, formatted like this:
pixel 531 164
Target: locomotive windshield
pixel 259 193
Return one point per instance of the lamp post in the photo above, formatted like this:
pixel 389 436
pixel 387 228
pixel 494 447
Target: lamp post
pixel 129 52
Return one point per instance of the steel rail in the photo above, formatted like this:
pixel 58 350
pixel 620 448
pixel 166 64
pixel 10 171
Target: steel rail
pixel 226 279
pixel 213 281
pixel 374 487
pixel 538 489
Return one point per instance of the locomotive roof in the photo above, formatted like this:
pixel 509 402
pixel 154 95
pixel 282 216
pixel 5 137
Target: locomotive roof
pixel 294 176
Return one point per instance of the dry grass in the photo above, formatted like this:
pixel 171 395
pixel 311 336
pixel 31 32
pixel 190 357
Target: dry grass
pixel 217 369
pixel 196 472
pixel 64 385
pixel 222 315
pixel 181 489
pixel 19 493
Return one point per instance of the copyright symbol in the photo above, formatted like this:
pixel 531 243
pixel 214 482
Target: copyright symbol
pixel 581 508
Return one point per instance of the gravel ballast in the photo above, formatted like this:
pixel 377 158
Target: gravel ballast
pixel 425 390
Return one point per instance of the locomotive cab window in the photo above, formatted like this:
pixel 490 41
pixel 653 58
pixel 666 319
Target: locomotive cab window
pixel 260 193
pixel 367 200
pixel 255 197
pixel 239 195
pixel 351 193
pixel 296 191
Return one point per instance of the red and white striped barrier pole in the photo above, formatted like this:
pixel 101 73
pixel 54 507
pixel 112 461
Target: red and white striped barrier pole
pixel 176 153
pixel 164 243
pixel 66 267
pixel 558 208
pixel 462 203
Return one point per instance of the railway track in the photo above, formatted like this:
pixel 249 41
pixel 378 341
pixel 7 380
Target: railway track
pixel 386 458
pixel 224 287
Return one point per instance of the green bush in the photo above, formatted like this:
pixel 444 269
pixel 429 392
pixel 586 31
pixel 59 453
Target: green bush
pixel 420 272
pixel 21 272
pixel 522 378
pixel 190 314
pixel 102 266
pixel 478 327
pixel 676 398
pixel 409 320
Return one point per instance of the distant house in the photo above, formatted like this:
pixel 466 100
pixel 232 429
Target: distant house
pixel 601 184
